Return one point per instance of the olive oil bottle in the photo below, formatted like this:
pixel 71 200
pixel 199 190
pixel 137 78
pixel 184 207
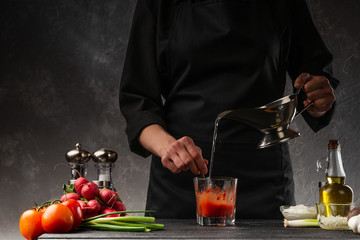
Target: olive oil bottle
pixel 335 190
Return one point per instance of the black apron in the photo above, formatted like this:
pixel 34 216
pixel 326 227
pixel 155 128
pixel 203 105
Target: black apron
pixel 223 54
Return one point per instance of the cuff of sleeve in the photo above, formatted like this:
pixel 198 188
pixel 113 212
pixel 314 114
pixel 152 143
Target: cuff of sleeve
pixel 136 125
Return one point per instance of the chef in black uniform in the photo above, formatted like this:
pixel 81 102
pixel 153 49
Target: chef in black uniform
pixel 189 60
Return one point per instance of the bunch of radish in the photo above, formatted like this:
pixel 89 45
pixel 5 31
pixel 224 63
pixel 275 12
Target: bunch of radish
pixel 94 201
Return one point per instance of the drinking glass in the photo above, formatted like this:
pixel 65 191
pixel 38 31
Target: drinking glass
pixel 215 200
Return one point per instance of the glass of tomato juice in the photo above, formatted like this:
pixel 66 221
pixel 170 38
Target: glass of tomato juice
pixel 215 200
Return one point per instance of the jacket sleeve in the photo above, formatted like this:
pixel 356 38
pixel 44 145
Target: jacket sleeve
pixel 140 88
pixel 308 53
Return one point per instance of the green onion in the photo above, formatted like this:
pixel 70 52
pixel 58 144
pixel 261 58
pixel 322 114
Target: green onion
pixel 109 227
pixel 126 223
pixel 119 212
pixel 130 224
pixel 127 219
pixel 301 223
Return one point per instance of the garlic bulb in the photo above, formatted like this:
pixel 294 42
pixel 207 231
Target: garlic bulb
pixel 354 223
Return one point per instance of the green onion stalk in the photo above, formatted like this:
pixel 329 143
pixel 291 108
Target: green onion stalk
pixel 301 223
pixel 125 223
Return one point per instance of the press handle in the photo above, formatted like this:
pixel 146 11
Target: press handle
pixel 306 107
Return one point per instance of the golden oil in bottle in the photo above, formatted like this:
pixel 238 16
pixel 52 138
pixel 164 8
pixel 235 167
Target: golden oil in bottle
pixel 335 190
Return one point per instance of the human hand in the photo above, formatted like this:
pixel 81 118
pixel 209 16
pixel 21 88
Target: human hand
pixel 318 90
pixel 184 155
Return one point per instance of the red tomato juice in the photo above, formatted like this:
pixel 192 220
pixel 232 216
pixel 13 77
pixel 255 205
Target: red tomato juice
pixel 215 204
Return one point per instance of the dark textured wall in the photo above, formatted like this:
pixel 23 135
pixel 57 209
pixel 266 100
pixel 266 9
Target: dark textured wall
pixel 339 24
pixel 60 68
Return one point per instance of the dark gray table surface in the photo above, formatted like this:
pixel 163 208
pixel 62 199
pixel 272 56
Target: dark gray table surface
pixel 188 229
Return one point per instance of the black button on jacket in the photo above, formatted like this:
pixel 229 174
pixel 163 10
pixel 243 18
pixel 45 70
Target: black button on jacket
pixel 189 60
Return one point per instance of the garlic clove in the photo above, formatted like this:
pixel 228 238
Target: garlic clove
pixel 354 223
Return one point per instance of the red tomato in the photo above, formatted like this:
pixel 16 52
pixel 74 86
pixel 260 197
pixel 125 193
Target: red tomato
pixel 30 224
pixel 76 210
pixel 57 218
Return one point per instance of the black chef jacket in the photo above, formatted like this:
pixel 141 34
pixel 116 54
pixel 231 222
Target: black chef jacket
pixel 189 60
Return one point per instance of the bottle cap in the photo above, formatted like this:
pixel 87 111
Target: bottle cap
pixel 104 155
pixel 333 144
pixel 78 155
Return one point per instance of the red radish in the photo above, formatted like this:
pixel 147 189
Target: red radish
pixel 119 206
pixel 83 206
pixel 102 207
pixel 108 196
pixel 90 191
pixel 93 206
pixel 109 210
pixel 68 196
pixel 79 183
